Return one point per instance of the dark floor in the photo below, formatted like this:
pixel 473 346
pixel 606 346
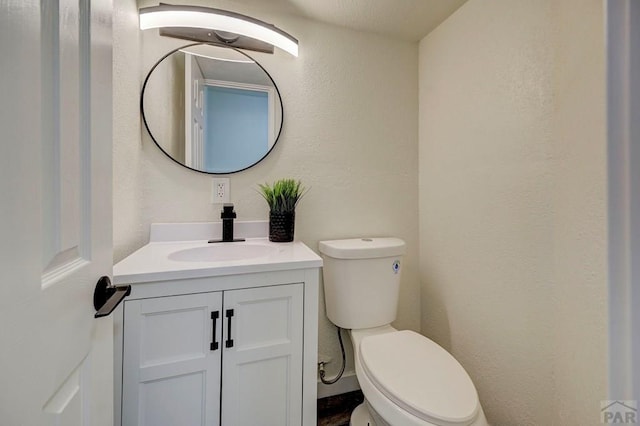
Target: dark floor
pixel 336 410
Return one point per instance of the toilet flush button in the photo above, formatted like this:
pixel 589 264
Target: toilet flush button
pixel 396 266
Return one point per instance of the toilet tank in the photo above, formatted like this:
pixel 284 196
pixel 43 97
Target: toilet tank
pixel 362 280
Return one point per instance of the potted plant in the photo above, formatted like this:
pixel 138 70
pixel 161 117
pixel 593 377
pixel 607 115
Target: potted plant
pixel 283 197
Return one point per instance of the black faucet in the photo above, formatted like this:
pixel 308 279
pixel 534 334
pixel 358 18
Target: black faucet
pixel 227 215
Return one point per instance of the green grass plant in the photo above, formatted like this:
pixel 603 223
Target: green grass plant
pixel 283 195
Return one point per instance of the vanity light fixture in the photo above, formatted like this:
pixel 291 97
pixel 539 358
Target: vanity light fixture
pixel 221 54
pixel 169 16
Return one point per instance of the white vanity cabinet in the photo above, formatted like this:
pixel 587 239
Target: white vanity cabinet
pixel 262 371
pixel 191 359
pixel 217 342
pixel 169 375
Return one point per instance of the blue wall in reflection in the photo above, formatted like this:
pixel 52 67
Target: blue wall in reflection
pixel 237 128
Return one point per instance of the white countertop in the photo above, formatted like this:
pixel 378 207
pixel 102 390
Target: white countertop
pixel 153 263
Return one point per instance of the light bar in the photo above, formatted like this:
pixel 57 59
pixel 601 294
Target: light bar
pixel 216 19
pixel 217 58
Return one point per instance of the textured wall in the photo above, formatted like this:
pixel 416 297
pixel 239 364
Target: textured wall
pixel 512 205
pixel 580 197
pixel 350 134
pixel 485 204
pixel 128 224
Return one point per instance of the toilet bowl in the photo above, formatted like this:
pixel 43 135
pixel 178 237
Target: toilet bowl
pixel 406 379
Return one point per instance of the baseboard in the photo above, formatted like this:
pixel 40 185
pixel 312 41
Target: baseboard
pixel 347 383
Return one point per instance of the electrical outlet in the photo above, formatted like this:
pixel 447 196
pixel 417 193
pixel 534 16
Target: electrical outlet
pixel 220 192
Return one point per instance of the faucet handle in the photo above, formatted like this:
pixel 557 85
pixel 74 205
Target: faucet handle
pixel 227 211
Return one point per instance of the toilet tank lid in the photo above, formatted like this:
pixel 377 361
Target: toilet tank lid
pixel 362 248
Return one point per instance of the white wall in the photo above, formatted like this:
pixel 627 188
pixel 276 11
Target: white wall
pixel 128 224
pixel 485 205
pixel 350 134
pixel 512 189
pixel 580 203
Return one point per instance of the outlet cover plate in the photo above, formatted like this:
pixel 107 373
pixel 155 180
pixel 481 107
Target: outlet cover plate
pixel 220 191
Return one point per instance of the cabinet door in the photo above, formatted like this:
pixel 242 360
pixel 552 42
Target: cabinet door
pixel 171 369
pixel 262 370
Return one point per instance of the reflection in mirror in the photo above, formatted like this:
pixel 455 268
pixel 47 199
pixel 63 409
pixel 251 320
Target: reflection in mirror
pixel 211 108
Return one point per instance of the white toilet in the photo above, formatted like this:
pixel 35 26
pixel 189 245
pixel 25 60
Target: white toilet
pixel 407 379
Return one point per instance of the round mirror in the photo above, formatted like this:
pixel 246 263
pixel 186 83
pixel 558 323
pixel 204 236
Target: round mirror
pixel 211 108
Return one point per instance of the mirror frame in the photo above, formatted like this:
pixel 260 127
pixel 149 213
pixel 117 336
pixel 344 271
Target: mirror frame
pixel 146 125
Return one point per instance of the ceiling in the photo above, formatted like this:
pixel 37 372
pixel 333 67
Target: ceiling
pixel 404 19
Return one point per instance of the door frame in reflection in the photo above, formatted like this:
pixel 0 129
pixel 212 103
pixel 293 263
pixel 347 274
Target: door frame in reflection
pixel 195 127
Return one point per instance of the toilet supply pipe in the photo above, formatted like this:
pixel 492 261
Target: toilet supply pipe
pixel 321 371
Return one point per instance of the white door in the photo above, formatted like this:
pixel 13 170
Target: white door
pixel 55 211
pixel 262 356
pixel 171 361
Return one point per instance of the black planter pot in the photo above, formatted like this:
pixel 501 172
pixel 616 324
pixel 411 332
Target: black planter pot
pixel 281 227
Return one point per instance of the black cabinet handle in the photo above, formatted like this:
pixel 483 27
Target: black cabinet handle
pixel 229 342
pixel 214 317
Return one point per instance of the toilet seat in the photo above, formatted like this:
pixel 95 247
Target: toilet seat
pixel 419 376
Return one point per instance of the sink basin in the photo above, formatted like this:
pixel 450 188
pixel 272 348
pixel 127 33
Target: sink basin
pixel 223 252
